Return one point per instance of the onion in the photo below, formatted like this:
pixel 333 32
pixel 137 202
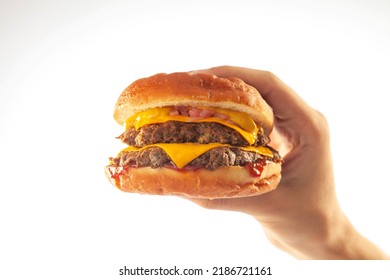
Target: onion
pixel 197 113
pixel 183 111
pixel 174 112
pixel 221 116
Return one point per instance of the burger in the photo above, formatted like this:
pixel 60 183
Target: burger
pixel 195 135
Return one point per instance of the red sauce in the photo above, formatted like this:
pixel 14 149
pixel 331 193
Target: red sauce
pixel 256 168
pixel 116 171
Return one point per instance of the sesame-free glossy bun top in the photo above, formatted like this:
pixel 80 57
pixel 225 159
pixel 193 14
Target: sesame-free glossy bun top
pixel 196 90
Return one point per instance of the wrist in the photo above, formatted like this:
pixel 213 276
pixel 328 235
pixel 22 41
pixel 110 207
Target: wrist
pixel 345 242
pixel 337 240
pixel 328 237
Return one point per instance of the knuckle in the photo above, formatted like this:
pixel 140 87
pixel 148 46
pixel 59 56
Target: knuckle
pixel 271 77
pixel 319 127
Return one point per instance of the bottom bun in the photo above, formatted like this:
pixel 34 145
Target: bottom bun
pixel 224 182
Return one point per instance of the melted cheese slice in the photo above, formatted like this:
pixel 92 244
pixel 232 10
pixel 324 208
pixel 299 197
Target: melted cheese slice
pixel 183 153
pixel 239 121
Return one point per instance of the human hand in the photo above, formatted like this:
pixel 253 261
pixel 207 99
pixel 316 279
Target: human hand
pixel 302 216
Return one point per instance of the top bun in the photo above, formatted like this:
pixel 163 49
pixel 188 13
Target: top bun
pixel 196 90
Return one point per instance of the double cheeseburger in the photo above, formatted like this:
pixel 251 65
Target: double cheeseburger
pixel 194 135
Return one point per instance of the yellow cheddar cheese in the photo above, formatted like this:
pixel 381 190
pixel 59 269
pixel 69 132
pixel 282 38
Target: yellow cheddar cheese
pixel 239 121
pixel 183 153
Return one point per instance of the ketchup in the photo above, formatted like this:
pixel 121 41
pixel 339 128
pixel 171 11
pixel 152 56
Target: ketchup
pixel 116 171
pixel 256 168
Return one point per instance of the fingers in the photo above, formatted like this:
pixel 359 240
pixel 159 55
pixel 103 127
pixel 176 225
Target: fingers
pixel 294 118
pixel 284 101
pixel 300 135
pixel 249 205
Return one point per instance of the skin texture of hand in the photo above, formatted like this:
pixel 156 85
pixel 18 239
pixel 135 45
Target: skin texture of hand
pixel 302 216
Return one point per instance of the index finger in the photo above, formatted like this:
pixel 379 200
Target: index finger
pixel 284 101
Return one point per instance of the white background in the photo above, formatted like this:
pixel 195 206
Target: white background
pixel 64 63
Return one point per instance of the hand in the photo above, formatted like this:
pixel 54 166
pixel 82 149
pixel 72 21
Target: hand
pixel 302 216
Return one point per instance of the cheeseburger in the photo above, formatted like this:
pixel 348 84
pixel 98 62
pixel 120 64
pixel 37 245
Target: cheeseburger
pixel 194 135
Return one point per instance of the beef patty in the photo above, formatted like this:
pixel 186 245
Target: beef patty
pixel 156 157
pixel 182 132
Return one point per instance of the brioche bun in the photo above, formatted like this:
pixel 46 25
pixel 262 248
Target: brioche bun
pixel 224 182
pixel 193 89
